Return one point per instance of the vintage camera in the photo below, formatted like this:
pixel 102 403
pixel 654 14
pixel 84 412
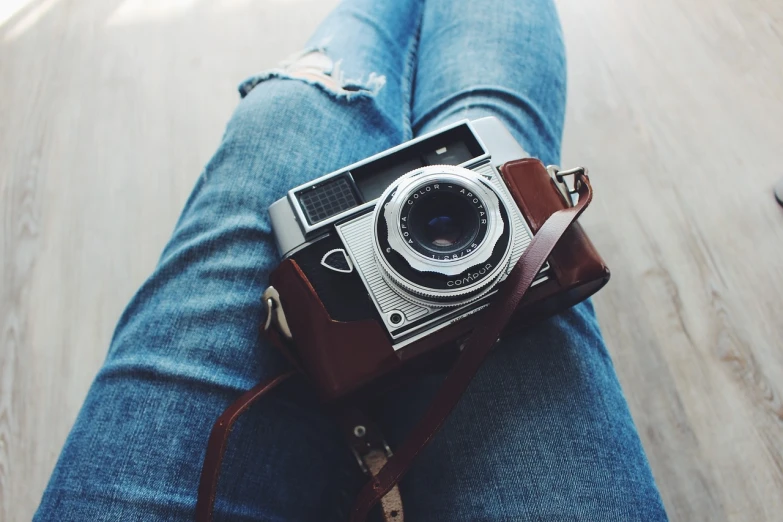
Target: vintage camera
pixel 416 237
pixel 387 262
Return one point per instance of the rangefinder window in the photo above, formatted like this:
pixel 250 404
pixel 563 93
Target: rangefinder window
pixel 371 187
pixel 327 199
pixel 454 153
pixel 452 147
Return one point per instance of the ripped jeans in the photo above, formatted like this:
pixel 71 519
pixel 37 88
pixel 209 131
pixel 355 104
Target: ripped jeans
pixel 543 433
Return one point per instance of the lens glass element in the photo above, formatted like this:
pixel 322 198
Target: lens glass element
pixel 443 221
pixel 443 231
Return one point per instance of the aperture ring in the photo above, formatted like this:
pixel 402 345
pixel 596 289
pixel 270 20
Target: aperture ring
pixel 448 281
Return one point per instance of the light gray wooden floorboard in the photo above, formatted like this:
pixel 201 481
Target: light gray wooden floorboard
pixel 676 107
pixel 108 111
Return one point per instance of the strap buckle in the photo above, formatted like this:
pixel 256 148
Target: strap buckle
pixel 369 447
pixel 567 181
pixel 367 461
pixel 372 454
pixel 275 313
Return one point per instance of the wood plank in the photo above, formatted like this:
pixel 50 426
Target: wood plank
pixel 108 111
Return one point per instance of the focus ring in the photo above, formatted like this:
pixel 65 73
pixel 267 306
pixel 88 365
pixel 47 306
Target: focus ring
pixel 458 298
pixel 437 282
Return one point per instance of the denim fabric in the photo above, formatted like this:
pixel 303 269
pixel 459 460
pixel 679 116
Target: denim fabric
pixel 543 432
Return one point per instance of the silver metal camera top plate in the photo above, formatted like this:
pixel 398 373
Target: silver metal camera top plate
pixel 307 228
pixel 291 230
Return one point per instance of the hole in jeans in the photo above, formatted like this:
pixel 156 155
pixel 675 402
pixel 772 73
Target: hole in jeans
pixel 318 68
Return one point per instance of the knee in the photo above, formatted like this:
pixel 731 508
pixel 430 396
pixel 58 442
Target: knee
pixel 295 123
pixel 275 111
pixel 306 97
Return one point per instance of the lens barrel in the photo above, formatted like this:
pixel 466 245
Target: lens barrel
pixel 442 235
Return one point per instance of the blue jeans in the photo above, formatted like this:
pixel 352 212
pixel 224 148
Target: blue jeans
pixel 543 432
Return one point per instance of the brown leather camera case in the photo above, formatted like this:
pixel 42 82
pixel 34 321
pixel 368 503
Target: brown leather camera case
pixel 341 357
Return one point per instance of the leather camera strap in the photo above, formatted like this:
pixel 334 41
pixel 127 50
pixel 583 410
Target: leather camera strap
pixel 218 440
pixel 476 349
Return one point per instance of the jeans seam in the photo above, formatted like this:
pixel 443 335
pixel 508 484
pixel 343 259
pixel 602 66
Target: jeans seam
pixel 408 77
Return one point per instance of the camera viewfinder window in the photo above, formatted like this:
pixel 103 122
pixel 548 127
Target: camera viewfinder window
pixel 372 186
pixel 453 146
pixel 452 154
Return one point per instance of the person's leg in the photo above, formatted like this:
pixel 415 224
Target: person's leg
pixel 502 58
pixel 543 432
pixel 187 345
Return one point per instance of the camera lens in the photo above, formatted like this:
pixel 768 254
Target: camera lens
pixel 442 235
pixel 443 222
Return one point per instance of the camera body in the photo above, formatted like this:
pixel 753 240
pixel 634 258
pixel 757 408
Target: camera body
pixel 416 237
pixel 388 263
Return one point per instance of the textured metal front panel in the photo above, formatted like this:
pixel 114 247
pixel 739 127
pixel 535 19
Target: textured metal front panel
pixel 357 237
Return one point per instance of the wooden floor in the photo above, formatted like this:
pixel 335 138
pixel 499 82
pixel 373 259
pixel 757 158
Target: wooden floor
pixel 109 109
